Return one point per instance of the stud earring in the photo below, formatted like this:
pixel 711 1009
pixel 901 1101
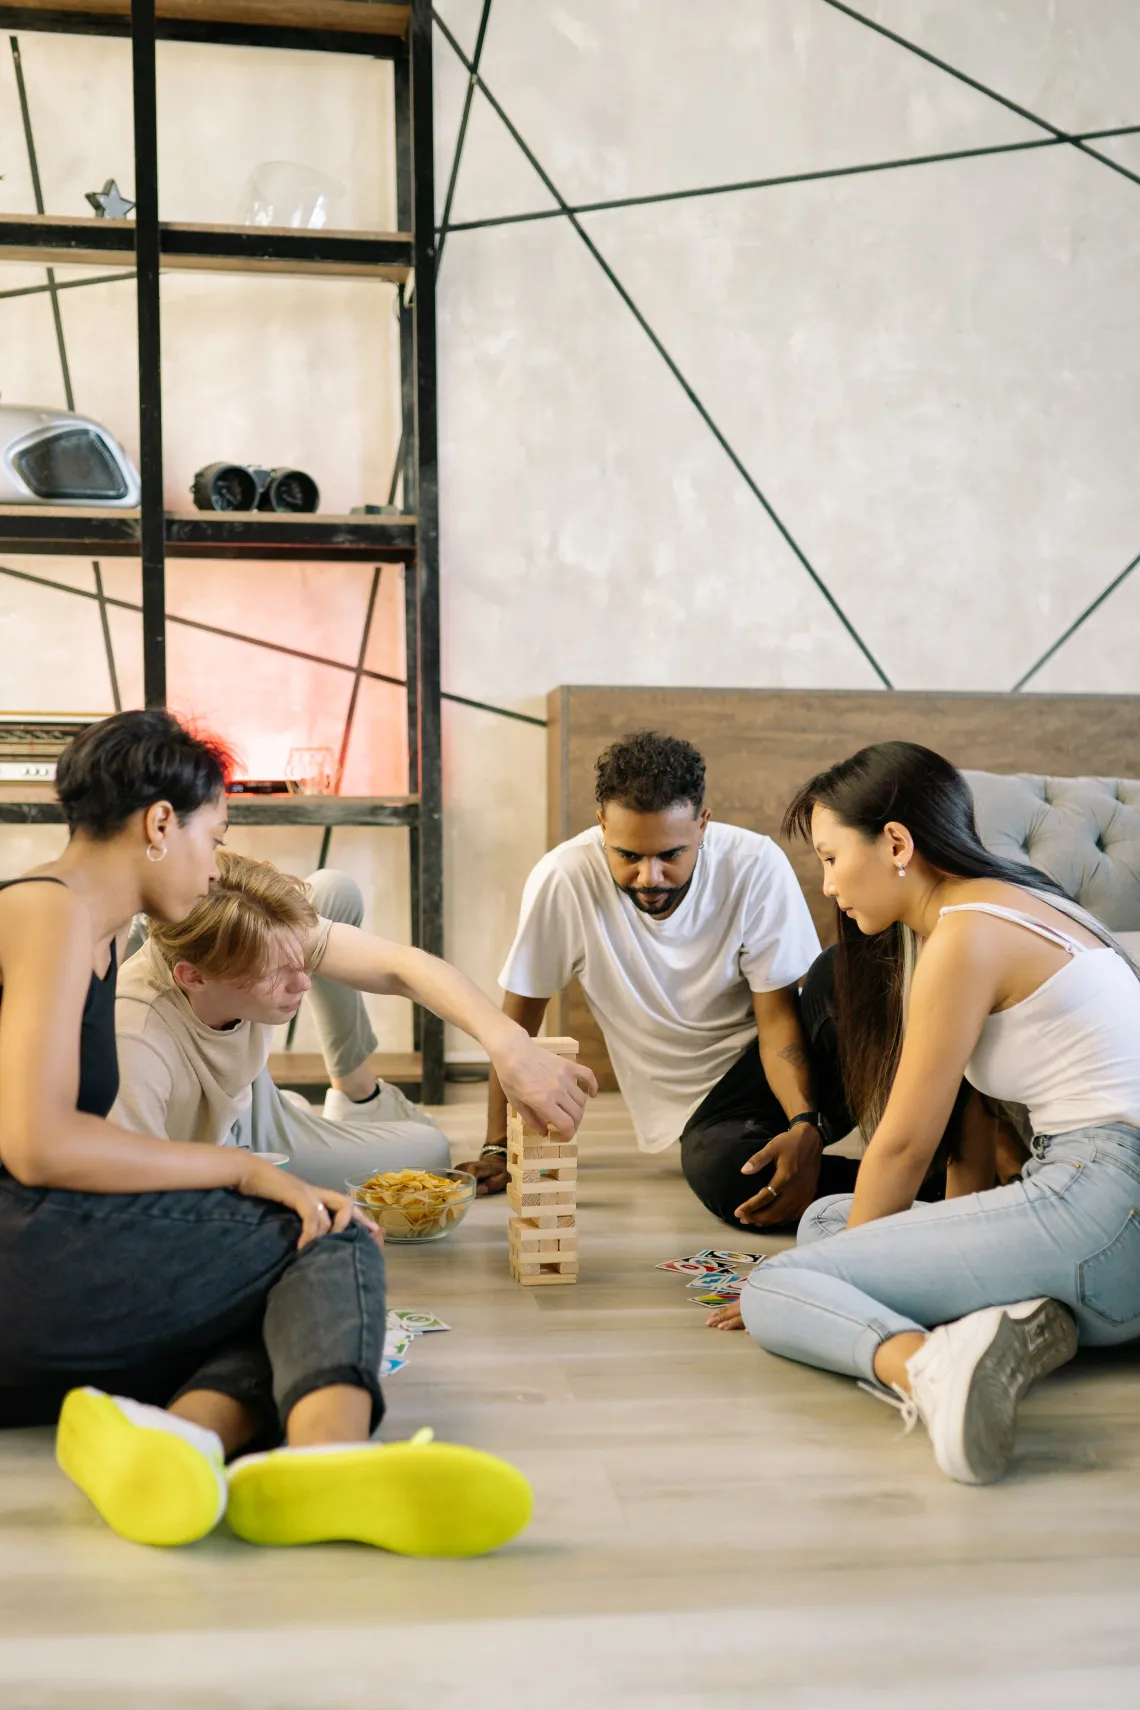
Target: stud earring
pixel 902 871
pixel 151 856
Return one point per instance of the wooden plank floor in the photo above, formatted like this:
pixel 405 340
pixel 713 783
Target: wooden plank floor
pixel 714 1527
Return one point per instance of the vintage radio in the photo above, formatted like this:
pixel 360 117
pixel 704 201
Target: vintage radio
pixel 31 743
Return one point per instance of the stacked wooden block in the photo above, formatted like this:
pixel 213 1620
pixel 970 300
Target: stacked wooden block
pixel 542 1192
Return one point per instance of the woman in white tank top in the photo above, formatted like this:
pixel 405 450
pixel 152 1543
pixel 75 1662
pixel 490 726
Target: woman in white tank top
pixel 955 963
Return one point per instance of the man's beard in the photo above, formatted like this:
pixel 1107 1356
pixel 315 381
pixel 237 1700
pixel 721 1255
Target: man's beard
pixel 659 900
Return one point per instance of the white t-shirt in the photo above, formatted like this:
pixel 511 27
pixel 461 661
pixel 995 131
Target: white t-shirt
pixel 672 997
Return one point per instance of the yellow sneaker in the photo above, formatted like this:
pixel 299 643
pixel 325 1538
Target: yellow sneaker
pixel 418 1498
pixel 155 1479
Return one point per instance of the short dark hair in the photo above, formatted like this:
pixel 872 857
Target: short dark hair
pixel 648 772
pixel 125 764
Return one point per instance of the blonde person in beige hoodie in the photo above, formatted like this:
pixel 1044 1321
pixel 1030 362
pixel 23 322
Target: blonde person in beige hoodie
pixel 198 1004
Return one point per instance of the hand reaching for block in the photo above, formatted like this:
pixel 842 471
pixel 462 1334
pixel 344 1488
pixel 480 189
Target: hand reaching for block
pixel 543 1083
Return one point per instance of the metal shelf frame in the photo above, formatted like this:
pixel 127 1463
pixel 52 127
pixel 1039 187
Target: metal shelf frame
pixel 403 35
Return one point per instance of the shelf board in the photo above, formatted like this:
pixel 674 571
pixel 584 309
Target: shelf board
pixel 51 241
pixel 62 530
pixel 339 26
pixel 261 536
pixel 36 804
pixel 266 535
pixel 324 810
pixel 308 1068
pixel 383 256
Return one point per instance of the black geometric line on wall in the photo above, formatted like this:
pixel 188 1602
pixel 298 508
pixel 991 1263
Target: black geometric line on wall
pixel 260 641
pixel 1076 624
pixel 674 369
pixel 66 285
pixel 736 186
pixel 346 738
pixel 37 192
pixel 461 137
pixel 982 88
pixel 503 712
pixel 350 715
pixel 61 344
pixel 441 230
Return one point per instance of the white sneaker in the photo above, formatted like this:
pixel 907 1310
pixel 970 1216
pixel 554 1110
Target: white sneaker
pixel 968 1377
pixel 390 1105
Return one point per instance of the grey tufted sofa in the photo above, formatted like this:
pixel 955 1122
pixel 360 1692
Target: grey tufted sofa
pixel 1083 832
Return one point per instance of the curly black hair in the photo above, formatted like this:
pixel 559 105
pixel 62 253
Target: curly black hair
pixel 648 772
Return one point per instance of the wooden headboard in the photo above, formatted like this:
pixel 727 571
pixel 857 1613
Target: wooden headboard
pixel 761 745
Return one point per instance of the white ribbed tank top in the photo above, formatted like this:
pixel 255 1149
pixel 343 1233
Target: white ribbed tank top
pixel 1070 1051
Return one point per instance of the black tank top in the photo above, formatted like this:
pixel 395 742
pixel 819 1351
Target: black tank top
pixel 98 1058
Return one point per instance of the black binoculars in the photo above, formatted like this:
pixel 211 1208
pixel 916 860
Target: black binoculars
pixel 233 487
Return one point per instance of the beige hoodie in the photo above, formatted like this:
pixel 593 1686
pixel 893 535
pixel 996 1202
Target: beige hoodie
pixel 179 1079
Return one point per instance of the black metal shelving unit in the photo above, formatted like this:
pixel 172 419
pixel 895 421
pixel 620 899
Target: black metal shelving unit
pixel 401 34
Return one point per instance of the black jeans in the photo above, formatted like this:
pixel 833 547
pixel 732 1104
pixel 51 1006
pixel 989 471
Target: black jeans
pixel 150 1295
pixel 741 1113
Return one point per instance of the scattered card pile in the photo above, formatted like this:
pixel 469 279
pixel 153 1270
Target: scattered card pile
pixel 402 1329
pixel 715 1274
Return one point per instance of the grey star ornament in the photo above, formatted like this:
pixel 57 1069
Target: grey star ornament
pixel 109 203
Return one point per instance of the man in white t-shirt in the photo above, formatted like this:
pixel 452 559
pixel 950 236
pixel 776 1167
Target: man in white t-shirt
pixel 689 938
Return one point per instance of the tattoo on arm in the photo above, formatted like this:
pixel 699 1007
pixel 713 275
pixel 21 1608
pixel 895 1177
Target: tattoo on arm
pixel 795 1055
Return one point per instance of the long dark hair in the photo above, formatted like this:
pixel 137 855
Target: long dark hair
pixel 904 782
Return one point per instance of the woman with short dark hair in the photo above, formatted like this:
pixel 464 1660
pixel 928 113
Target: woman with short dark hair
pixel 183 1301
pixel 952 962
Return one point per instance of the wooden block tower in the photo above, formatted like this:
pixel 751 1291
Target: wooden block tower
pixel 542 1192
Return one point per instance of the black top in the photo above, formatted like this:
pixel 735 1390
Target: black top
pixel 98 1058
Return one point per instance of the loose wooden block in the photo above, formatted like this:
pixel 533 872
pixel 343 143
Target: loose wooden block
pixel 554 1253
pixel 542 1152
pixel 529 1171
pixel 561 1045
pixel 526 1240
pixel 544 1196
pixel 520 1133
pixel 529 1176
pixel 553 1272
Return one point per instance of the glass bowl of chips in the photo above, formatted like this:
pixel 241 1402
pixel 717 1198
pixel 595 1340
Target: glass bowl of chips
pixel 414 1205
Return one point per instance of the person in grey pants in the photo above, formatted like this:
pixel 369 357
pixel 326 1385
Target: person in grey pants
pixel 378 1128
pixel 199 1003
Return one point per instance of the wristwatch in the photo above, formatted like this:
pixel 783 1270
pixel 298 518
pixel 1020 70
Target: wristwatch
pixel 811 1116
pixel 493 1151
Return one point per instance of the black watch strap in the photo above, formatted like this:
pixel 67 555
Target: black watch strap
pixel 811 1116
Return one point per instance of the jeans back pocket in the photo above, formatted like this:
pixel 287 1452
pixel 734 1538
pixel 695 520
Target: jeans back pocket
pixel 1108 1283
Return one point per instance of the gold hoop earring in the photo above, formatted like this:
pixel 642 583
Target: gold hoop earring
pixel 151 856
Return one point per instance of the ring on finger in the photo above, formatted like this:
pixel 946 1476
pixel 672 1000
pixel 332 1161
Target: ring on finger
pixel 772 1191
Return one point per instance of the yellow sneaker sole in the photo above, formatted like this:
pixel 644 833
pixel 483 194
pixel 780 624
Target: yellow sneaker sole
pixel 149 1485
pixel 416 1499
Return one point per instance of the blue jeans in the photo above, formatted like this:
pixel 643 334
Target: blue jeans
pixel 1070 1230
pixel 154 1294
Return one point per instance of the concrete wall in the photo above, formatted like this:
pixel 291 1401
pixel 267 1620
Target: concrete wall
pixel 682 442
